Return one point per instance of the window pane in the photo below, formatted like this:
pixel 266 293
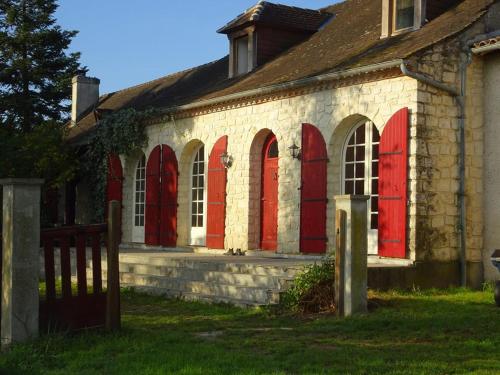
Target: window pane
pixel 375 187
pixel 405 10
pixel 359 188
pixel 374 223
pixel 200 221
pixel 349 187
pixel 273 150
pixel 375 169
pixel 374 204
pixel 375 152
pixel 360 153
pixel 360 170
pixel 349 171
pixel 349 154
pixel 351 140
pixel 242 55
pixel 375 134
pixel 201 181
pixel 360 135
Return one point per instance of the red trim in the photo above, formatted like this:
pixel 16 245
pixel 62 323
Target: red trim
pixel 393 176
pixel 313 195
pixel 216 196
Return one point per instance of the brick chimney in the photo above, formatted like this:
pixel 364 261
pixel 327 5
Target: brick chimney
pixel 85 94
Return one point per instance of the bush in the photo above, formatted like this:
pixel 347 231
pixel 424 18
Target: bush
pixel 313 290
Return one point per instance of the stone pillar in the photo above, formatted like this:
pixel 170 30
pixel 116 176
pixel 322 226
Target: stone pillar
pixel 20 266
pixel 355 262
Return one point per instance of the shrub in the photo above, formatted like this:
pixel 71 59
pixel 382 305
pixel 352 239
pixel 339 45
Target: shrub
pixel 313 290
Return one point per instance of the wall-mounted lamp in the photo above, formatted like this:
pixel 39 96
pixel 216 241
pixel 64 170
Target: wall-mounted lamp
pixel 295 152
pixel 226 160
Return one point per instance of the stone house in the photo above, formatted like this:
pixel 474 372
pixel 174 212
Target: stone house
pixel 394 99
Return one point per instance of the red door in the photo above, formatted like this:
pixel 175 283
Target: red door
pixel 168 198
pixel 269 195
pixel 152 224
pixel 393 176
pixel 313 198
pixel 216 193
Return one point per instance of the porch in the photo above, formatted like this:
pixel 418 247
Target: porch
pixel 258 278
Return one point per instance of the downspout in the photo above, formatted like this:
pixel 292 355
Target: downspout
pixel 459 96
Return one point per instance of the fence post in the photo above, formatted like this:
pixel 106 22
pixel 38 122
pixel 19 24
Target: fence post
pixel 20 259
pixel 340 232
pixel 113 315
pixel 353 265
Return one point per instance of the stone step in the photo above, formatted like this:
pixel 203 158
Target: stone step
pixel 245 279
pixel 167 268
pixel 179 288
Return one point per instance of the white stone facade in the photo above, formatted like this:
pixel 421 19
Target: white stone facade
pixel 333 111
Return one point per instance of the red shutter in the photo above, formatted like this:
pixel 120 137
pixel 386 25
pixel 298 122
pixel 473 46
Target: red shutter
pixel 152 227
pixel 313 198
pixel 114 181
pixel 115 178
pixel 393 176
pixel 168 207
pixel 216 210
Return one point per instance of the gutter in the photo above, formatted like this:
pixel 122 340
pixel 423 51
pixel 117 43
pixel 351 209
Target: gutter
pixel 459 96
pixel 303 82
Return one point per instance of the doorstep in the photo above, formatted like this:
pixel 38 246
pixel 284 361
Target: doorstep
pixel 374 261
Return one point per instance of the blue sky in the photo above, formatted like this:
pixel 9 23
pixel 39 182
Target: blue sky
pixel 127 42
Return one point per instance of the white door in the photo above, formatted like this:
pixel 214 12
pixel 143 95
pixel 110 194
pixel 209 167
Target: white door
pixel 198 200
pixel 360 173
pixel 139 201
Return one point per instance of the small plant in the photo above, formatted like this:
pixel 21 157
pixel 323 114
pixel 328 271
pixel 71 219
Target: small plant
pixel 313 290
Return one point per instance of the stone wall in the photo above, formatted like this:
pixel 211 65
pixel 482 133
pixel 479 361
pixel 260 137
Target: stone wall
pixel 491 162
pixel 333 111
pixel 437 158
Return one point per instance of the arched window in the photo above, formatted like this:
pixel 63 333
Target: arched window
pixel 198 198
pixel 139 200
pixel 360 171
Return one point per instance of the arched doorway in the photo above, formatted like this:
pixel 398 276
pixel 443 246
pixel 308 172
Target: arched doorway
pixel 269 194
pixel 197 208
pixel 139 201
pixel 360 167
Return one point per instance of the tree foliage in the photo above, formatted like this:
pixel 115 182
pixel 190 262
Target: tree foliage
pixel 35 68
pixel 35 90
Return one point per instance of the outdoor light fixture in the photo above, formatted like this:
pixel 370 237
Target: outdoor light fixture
pixel 226 160
pixel 295 151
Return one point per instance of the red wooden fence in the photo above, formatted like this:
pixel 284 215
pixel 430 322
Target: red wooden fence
pixel 72 309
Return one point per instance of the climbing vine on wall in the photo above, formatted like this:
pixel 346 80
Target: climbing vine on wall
pixel 120 133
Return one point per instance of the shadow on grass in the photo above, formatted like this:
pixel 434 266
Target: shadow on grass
pixel 440 332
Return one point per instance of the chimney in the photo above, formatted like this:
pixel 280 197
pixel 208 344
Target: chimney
pixel 85 94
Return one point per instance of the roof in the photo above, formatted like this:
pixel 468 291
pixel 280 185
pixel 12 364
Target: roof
pixel 279 15
pixel 350 40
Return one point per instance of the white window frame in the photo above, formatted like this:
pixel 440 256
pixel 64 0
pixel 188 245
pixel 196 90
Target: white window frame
pixel 197 235
pixel 372 233
pixel 138 231
pixel 395 15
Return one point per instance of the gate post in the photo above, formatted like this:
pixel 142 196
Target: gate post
pixel 352 271
pixel 21 257
pixel 113 314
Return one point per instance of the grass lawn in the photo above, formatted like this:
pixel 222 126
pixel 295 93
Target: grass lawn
pixel 436 332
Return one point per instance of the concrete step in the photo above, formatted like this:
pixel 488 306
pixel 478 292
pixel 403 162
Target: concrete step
pixel 179 287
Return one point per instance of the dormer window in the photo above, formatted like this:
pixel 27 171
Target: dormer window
pixel 265 31
pixel 404 14
pixel 241 55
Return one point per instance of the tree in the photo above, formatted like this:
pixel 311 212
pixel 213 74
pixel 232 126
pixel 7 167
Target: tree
pixel 35 68
pixel 35 90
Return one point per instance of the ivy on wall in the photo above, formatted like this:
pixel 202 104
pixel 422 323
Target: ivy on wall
pixel 121 133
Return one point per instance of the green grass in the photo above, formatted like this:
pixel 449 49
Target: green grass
pixel 435 332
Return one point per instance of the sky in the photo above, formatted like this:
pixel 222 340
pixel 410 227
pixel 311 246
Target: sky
pixel 128 42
